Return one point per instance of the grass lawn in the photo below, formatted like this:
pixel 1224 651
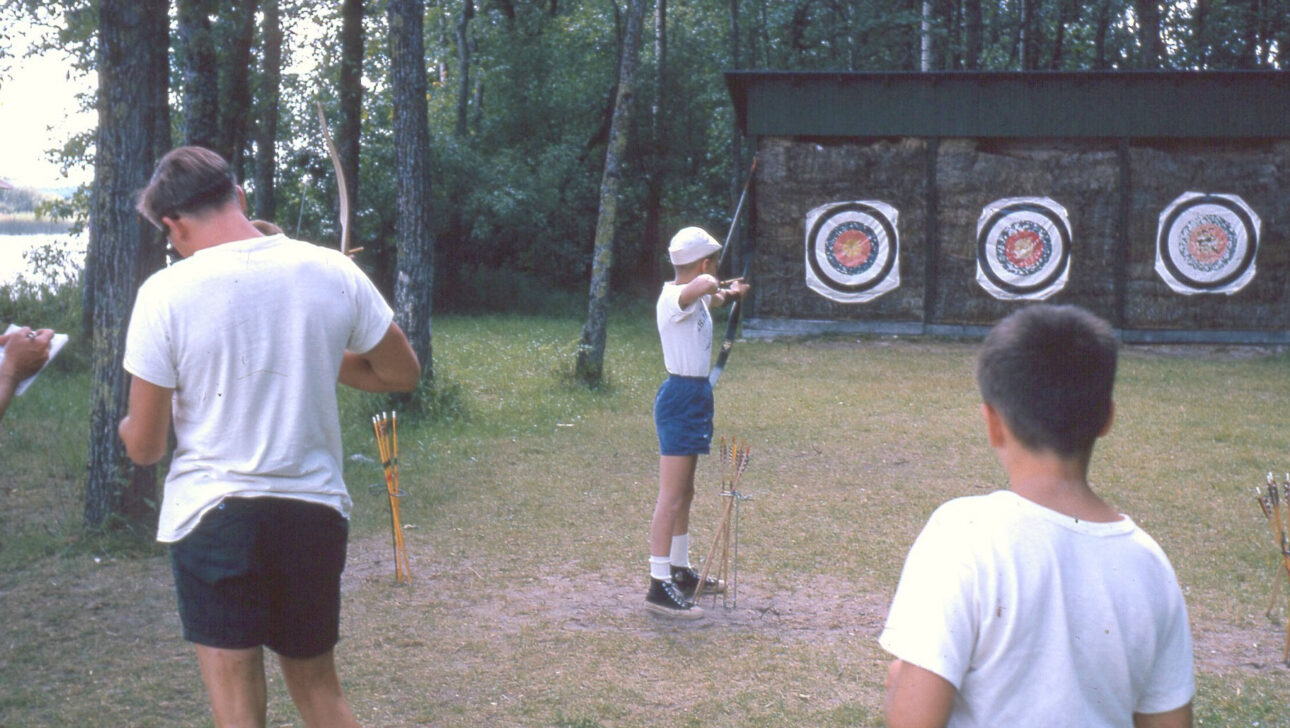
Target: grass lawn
pixel 526 517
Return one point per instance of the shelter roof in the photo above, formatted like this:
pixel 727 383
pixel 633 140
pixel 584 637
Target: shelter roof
pixel 1055 104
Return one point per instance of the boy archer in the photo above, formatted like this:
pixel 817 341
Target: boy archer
pixel 683 412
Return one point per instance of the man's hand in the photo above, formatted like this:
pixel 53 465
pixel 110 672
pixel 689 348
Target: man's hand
pixel 25 352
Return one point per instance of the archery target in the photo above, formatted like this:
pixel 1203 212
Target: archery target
pixel 1023 248
pixel 1206 243
pixel 852 250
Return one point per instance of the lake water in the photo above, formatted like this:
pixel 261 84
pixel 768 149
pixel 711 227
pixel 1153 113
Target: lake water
pixel 15 258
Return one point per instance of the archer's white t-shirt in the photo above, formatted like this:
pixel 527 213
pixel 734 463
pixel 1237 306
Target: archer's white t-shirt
pixel 250 335
pixel 1037 618
pixel 685 333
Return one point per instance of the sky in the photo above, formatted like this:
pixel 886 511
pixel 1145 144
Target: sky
pixel 38 112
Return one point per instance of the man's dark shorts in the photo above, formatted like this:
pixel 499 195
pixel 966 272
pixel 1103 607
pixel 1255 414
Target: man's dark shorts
pixel 262 571
pixel 683 411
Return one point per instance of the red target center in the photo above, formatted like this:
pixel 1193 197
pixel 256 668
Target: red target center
pixel 852 248
pixel 1024 248
pixel 1208 243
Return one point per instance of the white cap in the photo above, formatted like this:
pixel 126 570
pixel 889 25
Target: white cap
pixel 691 244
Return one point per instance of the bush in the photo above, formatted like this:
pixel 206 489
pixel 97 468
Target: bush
pixel 51 299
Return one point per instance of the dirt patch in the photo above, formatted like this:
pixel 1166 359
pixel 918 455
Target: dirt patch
pixel 818 610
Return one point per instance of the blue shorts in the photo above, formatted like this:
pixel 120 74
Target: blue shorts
pixel 683 415
pixel 262 571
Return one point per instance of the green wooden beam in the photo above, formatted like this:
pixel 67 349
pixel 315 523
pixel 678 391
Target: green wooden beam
pixel 1108 104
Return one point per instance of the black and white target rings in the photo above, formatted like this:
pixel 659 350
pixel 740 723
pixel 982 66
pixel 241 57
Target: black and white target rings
pixel 852 250
pixel 1206 243
pixel 1023 248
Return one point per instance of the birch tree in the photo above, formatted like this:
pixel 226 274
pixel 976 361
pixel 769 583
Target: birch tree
pixel 590 365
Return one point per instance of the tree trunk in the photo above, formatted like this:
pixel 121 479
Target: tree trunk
pixel 1067 14
pixel 736 139
pixel 1249 54
pixel 351 103
pixel 973 35
pixel 926 46
pixel 1148 12
pixel 646 266
pixel 128 105
pixel 463 60
pixel 195 51
pixel 1200 42
pixel 1026 35
pixel 414 279
pixel 235 87
pixel 1099 36
pixel 266 138
pixel 590 366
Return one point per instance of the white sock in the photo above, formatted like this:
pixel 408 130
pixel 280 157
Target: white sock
pixel 660 568
pixel 680 557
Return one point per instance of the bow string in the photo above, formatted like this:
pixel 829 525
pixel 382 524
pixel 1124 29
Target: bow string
pixel 732 325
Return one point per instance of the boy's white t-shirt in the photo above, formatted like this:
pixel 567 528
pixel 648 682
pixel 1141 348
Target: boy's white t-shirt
pixel 250 335
pixel 1037 618
pixel 685 333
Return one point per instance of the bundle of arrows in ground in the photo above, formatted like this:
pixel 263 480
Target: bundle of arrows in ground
pixel 387 441
pixel 1278 516
pixel 734 459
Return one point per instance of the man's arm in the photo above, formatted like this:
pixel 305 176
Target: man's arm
pixel 1176 718
pixel 145 429
pixel 391 366
pixel 25 352
pixel 917 698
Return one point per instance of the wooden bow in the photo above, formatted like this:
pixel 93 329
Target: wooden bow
pixel 341 186
pixel 732 326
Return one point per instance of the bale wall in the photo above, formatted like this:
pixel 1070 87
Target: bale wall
pixel 1113 191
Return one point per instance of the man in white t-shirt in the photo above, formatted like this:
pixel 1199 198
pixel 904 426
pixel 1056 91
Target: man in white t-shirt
pixel 240 345
pixel 1040 605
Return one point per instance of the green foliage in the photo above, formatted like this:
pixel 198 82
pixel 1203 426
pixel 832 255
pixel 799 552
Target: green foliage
pixel 74 209
pixel 518 192
pixel 49 299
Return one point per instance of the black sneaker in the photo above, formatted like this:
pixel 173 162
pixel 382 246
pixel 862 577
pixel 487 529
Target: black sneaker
pixel 686 579
pixel 666 600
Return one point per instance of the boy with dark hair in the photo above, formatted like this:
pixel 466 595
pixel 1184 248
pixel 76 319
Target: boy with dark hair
pixel 683 411
pixel 1041 604
pixel 240 345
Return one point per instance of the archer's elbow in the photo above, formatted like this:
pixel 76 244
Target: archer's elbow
pixel 141 449
pixel 409 377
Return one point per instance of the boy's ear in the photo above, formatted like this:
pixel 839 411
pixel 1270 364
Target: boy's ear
pixel 995 428
pixel 174 227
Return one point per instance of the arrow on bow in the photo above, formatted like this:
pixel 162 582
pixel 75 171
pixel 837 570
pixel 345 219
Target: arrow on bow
pixel 728 341
pixel 341 186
